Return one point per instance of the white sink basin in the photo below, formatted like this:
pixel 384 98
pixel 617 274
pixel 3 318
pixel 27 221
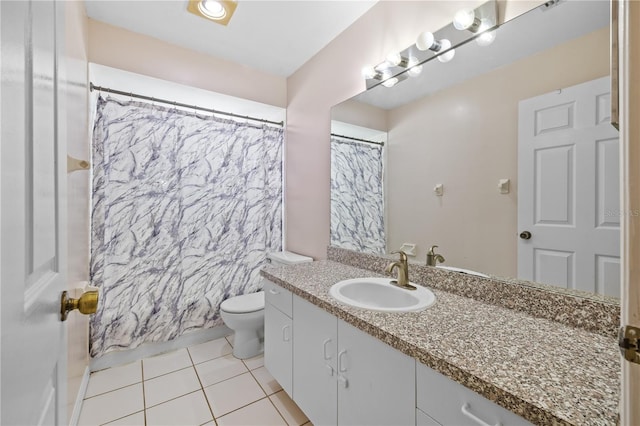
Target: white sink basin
pixel 378 294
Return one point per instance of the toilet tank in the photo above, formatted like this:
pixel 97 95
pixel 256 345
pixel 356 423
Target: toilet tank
pixel 287 258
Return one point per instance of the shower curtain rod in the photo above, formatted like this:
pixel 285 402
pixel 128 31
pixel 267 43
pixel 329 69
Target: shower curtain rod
pixel 93 87
pixel 357 139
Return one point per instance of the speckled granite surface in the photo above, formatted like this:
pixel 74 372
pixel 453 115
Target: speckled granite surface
pixel 523 363
pixel 592 312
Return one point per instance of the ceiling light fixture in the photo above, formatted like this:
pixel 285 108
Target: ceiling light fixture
pixel 218 11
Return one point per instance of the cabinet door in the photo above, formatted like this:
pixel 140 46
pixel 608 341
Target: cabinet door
pixel 450 403
pixel 278 335
pixel 376 383
pixel 314 362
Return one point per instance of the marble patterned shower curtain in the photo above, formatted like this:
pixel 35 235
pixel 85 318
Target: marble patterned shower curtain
pixel 357 198
pixel 184 210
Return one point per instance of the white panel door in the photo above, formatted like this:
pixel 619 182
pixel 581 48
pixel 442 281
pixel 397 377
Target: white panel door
pixel 569 191
pixel 315 350
pixel 32 217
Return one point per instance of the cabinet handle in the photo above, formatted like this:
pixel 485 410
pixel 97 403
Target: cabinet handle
pixel 343 381
pixel 465 410
pixel 324 349
pixel 341 367
pixel 285 335
pixel 273 291
pixel 329 369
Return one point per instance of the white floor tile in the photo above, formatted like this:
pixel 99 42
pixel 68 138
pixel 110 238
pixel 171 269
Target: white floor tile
pixel 210 350
pixel 255 362
pixel 266 380
pixel 111 405
pixel 230 339
pixel 261 413
pixel 165 363
pixel 136 419
pixel 288 409
pixel 191 409
pixel 114 378
pixel 219 369
pixel 232 394
pixel 170 386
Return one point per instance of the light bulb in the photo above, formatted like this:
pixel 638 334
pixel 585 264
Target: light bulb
pixel 464 19
pixel 212 9
pixel 394 59
pixel 486 38
pixel 368 72
pixel 446 57
pixel 427 41
pixel 390 82
pixel 414 68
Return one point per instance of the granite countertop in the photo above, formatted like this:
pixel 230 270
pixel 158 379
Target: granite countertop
pixel 544 371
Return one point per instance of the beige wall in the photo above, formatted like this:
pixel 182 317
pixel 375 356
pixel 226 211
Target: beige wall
pixel 468 141
pixel 330 77
pixel 76 40
pixel 118 48
pixel 360 114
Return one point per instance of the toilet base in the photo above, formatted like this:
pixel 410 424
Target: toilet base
pixel 247 344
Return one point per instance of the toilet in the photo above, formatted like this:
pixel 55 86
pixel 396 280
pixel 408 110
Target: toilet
pixel 245 314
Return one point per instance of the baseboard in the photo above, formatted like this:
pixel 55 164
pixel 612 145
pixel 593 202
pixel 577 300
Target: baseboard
pixel 113 359
pixel 82 391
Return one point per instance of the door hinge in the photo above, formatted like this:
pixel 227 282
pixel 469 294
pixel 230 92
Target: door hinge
pixel 629 342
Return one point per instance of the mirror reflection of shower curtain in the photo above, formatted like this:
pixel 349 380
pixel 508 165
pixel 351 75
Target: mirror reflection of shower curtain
pixel 357 197
pixel 184 210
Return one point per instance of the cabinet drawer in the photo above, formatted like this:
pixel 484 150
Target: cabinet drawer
pixel 450 403
pixel 278 297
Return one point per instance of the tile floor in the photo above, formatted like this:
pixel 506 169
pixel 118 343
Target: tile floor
pixel 202 384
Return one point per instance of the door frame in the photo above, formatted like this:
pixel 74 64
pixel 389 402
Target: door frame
pixel 629 72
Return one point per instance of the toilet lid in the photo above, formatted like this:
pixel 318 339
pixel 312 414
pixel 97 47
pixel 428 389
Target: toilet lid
pixel 244 304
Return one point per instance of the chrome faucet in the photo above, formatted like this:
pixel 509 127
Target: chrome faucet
pixel 434 258
pixel 403 271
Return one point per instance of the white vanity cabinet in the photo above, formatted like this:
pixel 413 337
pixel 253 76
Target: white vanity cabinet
pixel 315 354
pixel 278 334
pixel 442 401
pixel 344 376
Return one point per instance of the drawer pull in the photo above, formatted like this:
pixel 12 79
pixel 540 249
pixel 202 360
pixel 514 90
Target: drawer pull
pixel 341 365
pixel 273 291
pixel 324 349
pixel 465 410
pixel 343 381
pixel 329 369
pixel 285 336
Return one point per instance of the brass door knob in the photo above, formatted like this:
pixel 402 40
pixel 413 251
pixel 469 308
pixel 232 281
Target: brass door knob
pixel 86 304
pixel 525 235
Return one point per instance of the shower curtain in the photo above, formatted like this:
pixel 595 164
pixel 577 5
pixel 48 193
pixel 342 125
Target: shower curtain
pixel 357 198
pixel 184 210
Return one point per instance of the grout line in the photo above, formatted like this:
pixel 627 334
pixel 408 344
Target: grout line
pixel 166 374
pixel 113 390
pixel 221 381
pixel 206 398
pixel 278 411
pixel 144 399
pixel 119 418
pixel 260 384
pixel 244 406
pixel 173 399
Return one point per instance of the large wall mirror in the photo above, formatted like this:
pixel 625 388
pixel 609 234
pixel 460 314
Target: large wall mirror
pixel 504 157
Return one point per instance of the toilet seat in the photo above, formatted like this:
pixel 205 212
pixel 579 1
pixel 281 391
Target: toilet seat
pixel 244 304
